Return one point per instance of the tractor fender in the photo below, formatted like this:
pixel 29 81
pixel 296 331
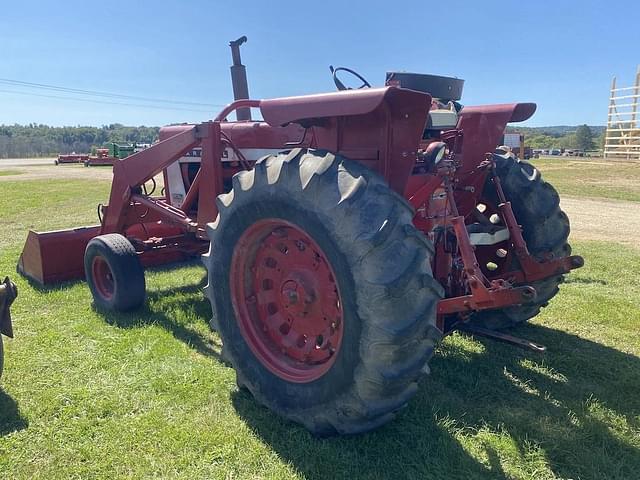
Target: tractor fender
pixel 513 112
pixel 483 126
pixel 307 109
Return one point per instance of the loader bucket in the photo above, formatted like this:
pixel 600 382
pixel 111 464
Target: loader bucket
pixel 51 257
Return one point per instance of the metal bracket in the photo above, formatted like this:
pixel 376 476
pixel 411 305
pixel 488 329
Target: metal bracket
pixel 502 337
pixel 8 293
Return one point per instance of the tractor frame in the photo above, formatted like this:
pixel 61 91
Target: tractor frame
pixel 381 128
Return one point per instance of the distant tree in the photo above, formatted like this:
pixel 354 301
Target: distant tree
pixel 569 141
pixel 543 141
pixel 42 140
pixel 584 138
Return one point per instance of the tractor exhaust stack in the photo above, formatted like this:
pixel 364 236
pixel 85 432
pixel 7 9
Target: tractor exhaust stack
pixel 239 78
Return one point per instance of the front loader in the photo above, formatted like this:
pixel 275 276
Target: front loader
pixel 343 233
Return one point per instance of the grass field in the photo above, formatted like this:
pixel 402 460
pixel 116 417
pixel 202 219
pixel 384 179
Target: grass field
pixel 146 395
pixel 596 178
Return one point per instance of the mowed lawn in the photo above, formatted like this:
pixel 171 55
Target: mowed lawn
pixel 592 177
pixel 146 395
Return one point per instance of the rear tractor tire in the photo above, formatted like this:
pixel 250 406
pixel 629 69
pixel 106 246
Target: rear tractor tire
pixel 545 228
pixel 114 273
pixel 322 292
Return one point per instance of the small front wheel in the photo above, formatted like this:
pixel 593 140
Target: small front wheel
pixel 114 273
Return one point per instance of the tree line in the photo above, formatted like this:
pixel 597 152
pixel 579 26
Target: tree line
pixel 34 140
pixel 582 137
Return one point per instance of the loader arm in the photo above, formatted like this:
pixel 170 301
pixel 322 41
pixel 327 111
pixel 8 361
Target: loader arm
pixel 138 168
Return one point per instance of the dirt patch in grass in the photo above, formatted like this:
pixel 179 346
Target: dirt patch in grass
pixel 36 172
pixel 614 221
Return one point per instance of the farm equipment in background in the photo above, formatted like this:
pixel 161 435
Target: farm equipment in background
pixel 343 236
pixel 71 158
pixel 8 293
pixel 121 151
pixel 102 156
pixel 107 156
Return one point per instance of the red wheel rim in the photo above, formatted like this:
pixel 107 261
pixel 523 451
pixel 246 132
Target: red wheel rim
pixel 102 277
pixel 287 301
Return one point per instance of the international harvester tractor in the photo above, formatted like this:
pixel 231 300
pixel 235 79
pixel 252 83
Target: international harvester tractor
pixel 343 234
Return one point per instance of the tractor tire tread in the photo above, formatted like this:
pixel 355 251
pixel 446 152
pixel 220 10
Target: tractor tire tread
pixel 123 260
pixel 396 295
pixel 545 228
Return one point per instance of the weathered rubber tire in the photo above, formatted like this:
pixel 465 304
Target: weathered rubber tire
pixel 545 228
pixel 125 269
pixel 382 265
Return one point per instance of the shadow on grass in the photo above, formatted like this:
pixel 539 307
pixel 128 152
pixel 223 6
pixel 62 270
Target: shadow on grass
pixel 565 408
pixel 166 308
pixel 40 288
pixel 585 280
pixel 574 409
pixel 10 418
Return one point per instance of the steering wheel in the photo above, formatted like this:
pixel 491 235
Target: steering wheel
pixel 340 85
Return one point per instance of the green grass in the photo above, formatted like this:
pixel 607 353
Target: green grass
pixel 146 395
pixel 582 177
pixel 6 173
pixel 47 205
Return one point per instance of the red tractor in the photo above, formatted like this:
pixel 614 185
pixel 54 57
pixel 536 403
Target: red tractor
pixel 343 233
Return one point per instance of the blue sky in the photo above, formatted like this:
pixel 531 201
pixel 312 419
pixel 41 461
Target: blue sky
pixel 559 54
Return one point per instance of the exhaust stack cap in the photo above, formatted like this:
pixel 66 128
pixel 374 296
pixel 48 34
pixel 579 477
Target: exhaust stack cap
pixel 235 49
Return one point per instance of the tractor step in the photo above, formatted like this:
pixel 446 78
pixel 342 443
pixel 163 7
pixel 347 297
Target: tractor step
pixel 502 337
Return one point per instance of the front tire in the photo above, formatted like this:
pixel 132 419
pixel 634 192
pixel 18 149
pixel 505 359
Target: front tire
pixel 369 310
pixel 114 273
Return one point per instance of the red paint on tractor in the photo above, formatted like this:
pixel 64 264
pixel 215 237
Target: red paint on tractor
pixel 287 300
pixel 313 108
pixel 53 257
pixel 103 278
